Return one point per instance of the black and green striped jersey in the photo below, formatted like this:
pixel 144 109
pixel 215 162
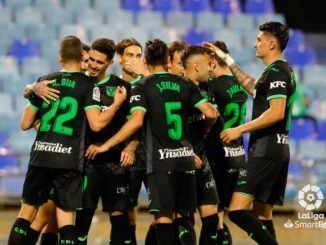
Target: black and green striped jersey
pixel 168 101
pixel 60 140
pixel 277 81
pixel 107 89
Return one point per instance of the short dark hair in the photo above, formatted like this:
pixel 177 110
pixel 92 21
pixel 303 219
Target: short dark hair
pixel 71 49
pixel 105 46
pixel 191 51
pixel 222 46
pixel 125 43
pixel 156 52
pixel 278 30
pixel 177 46
pixel 86 47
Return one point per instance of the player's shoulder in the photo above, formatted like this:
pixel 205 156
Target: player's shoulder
pixel 119 81
pixel 279 67
pixel 50 76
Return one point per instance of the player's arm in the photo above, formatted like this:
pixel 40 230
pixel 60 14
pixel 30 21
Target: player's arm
pixel 128 154
pixel 98 119
pixel 42 90
pixel 210 113
pixel 29 116
pixel 272 115
pixel 242 77
pixel 128 129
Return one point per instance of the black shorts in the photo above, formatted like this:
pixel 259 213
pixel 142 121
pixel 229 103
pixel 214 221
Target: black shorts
pixel 264 179
pixel 226 173
pixel 65 186
pixel 171 192
pixel 111 187
pixel 205 185
pixel 136 178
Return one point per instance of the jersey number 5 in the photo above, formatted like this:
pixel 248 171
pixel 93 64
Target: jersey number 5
pixel 59 120
pixel 174 119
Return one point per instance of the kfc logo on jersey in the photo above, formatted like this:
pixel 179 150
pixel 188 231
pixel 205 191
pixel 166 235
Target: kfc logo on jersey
pixel 134 98
pixel 277 84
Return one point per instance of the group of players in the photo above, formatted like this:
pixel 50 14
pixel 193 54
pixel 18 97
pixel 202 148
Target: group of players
pixel 174 121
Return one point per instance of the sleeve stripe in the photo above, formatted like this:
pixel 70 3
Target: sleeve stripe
pixel 200 102
pixel 32 106
pixel 276 96
pixel 92 106
pixel 138 108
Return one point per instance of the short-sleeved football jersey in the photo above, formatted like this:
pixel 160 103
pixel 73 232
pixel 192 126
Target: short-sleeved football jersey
pixel 277 81
pixel 60 140
pixel 107 89
pixel 167 100
pixel 230 98
pixel 197 124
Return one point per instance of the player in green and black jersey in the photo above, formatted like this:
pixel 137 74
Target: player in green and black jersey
pixel 106 174
pixel 163 107
pixel 56 159
pixel 226 159
pixel 129 55
pixel 197 63
pixel 263 180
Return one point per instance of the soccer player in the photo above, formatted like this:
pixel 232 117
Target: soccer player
pixel 106 174
pixel 86 50
pixel 226 160
pixel 263 180
pixel 164 108
pixel 56 161
pixel 129 55
pixel 175 65
pixel 197 63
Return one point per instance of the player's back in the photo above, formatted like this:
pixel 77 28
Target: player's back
pixel 167 100
pixel 60 139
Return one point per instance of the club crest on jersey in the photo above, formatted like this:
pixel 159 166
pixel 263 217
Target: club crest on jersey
pixel 97 94
pixel 277 84
pixel 110 91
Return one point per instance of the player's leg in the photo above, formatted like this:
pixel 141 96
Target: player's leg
pixel 207 203
pixel 67 183
pixel 116 200
pixel 264 212
pixel 49 234
pixel 35 192
pixel 184 229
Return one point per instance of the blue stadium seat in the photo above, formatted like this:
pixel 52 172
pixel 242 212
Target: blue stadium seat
pixel 209 21
pixel 250 37
pixel 46 5
pixel 312 149
pixel 254 69
pixel 231 38
pixel 107 6
pixel 196 6
pixel 90 19
pixel 296 39
pixel 29 16
pixel 166 34
pixel 226 6
pixel 106 31
pixel 181 21
pixel 8 161
pixel 24 48
pixel 17 4
pixel 150 19
pixel 302 56
pixel 166 6
pixel 139 33
pixel 3 137
pixel 262 18
pixel 8 65
pixel 197 36
pixel 322 130
pixel 259 6
pixel 314 74
pixel 120 19
pixel 243 56
pixel 22 141
pixel 6 107
pixel 136 5
pixel 11 83
pixel 75 6
pixel 5 16
pixel 241 22
pixel 303 129
pixel 76 30
pixel 51 17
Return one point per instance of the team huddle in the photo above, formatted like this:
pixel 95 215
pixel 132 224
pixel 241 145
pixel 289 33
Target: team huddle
pixel 174 121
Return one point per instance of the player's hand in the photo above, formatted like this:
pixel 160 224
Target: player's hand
pixel 136 67
pixel 230 134
pixel 42 90
pixel 216 50
pixel 120 95
pixel 127 158
pixel 198 162
pixel 93 150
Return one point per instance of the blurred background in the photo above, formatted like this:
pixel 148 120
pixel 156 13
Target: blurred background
pixel 30 31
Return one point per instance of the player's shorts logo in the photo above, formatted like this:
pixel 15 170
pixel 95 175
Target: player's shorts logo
pixel 310 197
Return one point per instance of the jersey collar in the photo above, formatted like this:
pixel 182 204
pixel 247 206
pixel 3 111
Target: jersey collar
pixel 270 64
pixel 105 80
pixel 133 82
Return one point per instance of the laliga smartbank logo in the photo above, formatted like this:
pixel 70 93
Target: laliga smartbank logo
pixel 310 197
